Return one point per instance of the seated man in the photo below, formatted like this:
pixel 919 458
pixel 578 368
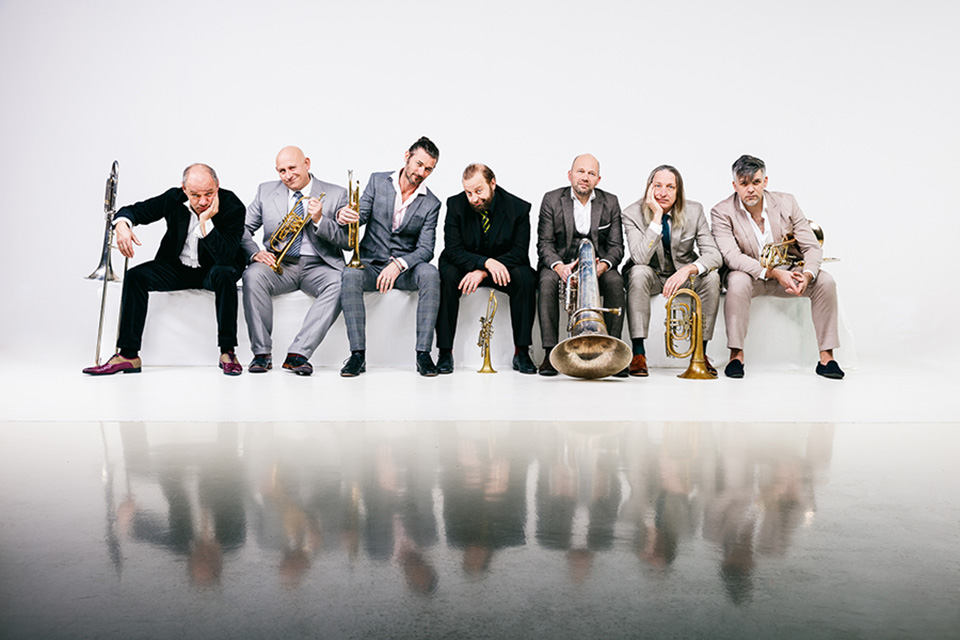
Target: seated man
pixel 401 217
pixel 662 230
pixel 200 250
pixel 486 244
pixel 312 263
pixel 742 225
pixel 567 215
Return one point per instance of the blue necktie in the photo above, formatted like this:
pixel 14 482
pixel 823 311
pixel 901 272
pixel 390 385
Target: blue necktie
pixel 294 251
pixel 668 258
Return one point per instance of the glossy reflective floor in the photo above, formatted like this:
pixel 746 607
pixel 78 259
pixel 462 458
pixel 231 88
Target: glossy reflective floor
pixel 479 530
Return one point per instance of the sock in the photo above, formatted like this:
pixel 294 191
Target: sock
pixel 638 349
pixel 129 354
pixel 446 352
pixel 518 350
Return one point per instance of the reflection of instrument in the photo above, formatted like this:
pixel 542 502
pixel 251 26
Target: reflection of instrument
pixel 486 331
pixel 105 271
pixel 682 324
pixel 778 254
pixel 589 352
pixel 291 227
pixel 353 229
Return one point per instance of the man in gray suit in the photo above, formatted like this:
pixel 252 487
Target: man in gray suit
pixel 662 229
pixel 312 264
pixel 742 225
pixel 567 215
pixel 400 215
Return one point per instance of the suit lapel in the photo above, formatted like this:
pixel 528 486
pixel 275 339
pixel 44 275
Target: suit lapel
pixel 745 229
pixel 596 212
pixel 777 225
pixel 498 215
pixel 410 213
pixel 569 227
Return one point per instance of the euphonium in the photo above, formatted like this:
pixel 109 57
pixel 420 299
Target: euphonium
pixel 291 227
pixel 682 324
pixel 486 332
pixel 777 254
pixel 589 352
pixel 353 229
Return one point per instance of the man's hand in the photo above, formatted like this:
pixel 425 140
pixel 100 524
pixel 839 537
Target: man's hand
pixel 346 215
pixel 654 206
pixel 787 280
pixel 564 270
pixel 602 267
pixel 212 210
pixel 678 280
pixel 499 273
pixel 802 280
pixel 265 257
pixel 387 277
pixel 315 209
pixel 471 281
pixel 125 238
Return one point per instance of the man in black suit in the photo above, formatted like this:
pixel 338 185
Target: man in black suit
pixel 486 244
pixel 200 250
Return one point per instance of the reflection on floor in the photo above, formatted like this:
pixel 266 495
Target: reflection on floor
pixel 461 530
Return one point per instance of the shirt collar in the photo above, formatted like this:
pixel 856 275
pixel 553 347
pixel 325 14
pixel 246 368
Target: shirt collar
pixel 573 194
pixel 395 179
pixel 304 192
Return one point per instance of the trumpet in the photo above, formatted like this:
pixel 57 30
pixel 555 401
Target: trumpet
pixel 486 332
pixel 683 324
pixel 353 229
pixel 589 351
pixel 778 254
pixel 105 270
pixel 291 227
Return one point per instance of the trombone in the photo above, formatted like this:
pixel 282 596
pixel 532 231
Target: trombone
pixel 104 270
pixel 291 227
pixel 684 324
pixel 353 229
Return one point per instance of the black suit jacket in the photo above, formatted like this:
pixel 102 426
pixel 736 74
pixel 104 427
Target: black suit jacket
pixel 221 246
pixel 508 238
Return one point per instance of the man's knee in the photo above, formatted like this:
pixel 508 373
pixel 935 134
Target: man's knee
pixel 426 276
pixel 739 285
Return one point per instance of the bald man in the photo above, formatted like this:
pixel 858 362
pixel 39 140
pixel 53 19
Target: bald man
pixel 200 250
pixel 567 215
pixel 312 264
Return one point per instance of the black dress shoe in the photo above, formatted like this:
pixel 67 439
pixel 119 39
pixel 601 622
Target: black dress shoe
pixel 298 364
pixel 425 366
pixel 547 368
pixel 445 363
pixel 623 373
pixel 734 369
pixel 354 366
pixel 523 363
pixel 830 370
pixel 260 364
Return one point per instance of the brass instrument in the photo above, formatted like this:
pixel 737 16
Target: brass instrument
pixel 682 324
pixel 778 254
pixel 486 332
pixel 589 351
pixel 105 270
pixel 291 227
pixel 353 229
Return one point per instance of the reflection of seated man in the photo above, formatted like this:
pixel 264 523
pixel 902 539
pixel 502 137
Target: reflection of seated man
pixel 200 250
pixel 742 225
pixel 661 231
pixel 486 244
pixel 312 264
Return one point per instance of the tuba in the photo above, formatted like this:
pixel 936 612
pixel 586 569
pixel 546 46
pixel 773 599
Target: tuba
pixel 683 324
pixel 589 351
pixel 353 229
pixel 291 227
pixel 777 254
pixel 105 270
pixel 486 332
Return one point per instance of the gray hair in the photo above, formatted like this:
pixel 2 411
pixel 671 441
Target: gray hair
pixel 213 174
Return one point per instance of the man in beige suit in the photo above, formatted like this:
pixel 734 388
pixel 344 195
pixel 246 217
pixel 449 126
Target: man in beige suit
pixel 662 229
pixel 742 225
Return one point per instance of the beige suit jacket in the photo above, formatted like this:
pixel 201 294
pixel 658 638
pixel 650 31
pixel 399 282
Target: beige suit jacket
pixel 646 246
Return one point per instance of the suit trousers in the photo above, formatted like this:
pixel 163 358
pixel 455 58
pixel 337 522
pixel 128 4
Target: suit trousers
pixel 611 291
pixel 175 276
pixel 423 278
pixel 643 283
pixel 523 303
pixel 311 275
pixel 742 288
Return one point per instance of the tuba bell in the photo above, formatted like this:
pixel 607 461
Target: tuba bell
pixel 589 351
pixel 486 332
pixel 682 324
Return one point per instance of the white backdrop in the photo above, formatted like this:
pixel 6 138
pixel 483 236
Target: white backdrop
pixel 853 105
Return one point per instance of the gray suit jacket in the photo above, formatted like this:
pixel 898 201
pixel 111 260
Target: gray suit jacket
pixel 270 206
pixel 413 241
pixel 646 245
pixel 556 230
pixel 738 244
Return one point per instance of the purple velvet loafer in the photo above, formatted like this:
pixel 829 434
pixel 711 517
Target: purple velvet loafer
pixel 230 365
pixel 115 364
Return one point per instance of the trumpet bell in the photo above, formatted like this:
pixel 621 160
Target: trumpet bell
pixel 590 356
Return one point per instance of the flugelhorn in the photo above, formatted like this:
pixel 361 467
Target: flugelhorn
pixel 778 254
pixel 105 270
pixel 682 323
pixel 486 332
pixel 589 351
pixel 353 229
pixel 291 227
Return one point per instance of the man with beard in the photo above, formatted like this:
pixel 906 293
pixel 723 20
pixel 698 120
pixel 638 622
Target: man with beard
pixel 486 244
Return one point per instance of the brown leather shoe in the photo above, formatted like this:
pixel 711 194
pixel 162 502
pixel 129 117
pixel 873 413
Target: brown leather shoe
pixel 710 367
pixel 638 366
